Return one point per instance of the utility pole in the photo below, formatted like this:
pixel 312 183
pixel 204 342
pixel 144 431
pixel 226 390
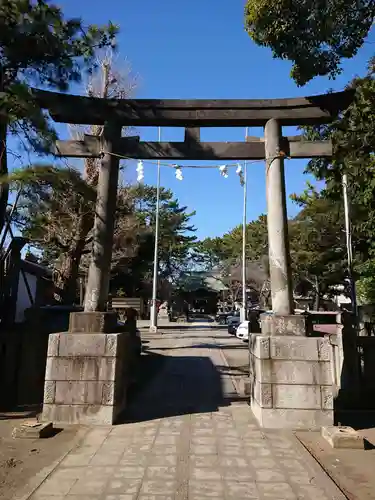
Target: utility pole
pixel 349 249
pixel 154 309
pixel 244 295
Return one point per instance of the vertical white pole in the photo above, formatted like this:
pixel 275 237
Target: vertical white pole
pixel 349 249
pixel 154 309
pixel 244 297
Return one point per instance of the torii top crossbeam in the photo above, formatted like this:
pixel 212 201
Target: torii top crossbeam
pixel 83 110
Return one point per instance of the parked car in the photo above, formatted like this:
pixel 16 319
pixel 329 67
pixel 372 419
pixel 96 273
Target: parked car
pixel 222 317
pixel 233 318
pixel 242 331
pixel 233 325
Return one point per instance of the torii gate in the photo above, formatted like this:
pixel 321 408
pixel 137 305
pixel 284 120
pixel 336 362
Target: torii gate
pixel 291 375
pixel 272 114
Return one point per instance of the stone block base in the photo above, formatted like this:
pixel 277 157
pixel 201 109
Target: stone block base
pixel 292 418
pixel 343 437
pixel 292 383
pixel 273 324
pixel 86 379
pixel 86 414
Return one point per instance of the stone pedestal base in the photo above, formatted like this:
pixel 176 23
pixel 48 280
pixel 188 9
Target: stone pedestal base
pixel 86 374
pixel 291 377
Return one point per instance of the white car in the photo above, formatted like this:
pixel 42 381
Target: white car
pixel 243 331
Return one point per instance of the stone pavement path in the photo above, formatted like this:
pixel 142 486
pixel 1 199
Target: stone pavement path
pixel 188 437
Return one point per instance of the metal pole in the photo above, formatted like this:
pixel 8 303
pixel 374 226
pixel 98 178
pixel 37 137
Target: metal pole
pixel 154 310
pixel 349 249
pixel 244 299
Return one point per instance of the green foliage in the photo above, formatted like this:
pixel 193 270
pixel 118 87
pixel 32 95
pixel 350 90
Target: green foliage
pixel 365 285
pixel 39 47
pixel 316 36
pixel 56 213
pixel 353 136
pixel 175 230
pixel 317 244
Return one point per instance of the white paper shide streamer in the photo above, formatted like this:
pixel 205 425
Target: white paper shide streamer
pixel 179 175
pixel 224 171
pixel 140 171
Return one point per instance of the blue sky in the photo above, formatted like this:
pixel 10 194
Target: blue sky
pixel 199 49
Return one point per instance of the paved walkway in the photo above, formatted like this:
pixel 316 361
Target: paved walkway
pixel 188 436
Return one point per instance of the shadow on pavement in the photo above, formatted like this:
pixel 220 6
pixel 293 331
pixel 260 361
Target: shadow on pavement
pixel 183 326
pixel 225 347
pixel 176 385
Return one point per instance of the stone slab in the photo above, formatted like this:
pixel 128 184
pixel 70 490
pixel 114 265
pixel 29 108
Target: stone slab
pixel 82 392
pixel 92 322
pixel 259 346
pixel 85 414
pixel 262 393
pixel 88 344
pixel 294 348
pixel 343 437
pixel 273 324
pixel 296 397
pixel 33 430
pixel 269 371
pixel 276 418
pixel 100 368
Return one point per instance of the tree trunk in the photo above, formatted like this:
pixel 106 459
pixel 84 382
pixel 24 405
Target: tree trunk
pixel 317 295
pixel 67 280
pixel 69 273
pixel 4 188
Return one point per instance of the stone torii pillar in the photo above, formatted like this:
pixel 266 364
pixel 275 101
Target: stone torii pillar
pixel 277 222
pixel 87 368
pixel 290 373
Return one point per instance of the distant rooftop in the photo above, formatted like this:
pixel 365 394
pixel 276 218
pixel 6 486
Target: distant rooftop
pixel 196 280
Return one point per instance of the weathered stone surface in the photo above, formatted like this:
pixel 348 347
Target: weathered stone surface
pixel 78 392
pixel 324 348
pixel 33 430
pixel 260 346
pixel 263 394
pixel 116 343
pixel 343 437
pixel 292 347
pixel 271 371
pixel 327 397
pixel 82 344
pixel 277 418
pixel 87 369
pixel 108 393
pixel 305 397
pixel 86 414
pixel 53 344
pixel 273 324
pixel 49 391
pixel 79 368
pixel 295 377
pixel 92 322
